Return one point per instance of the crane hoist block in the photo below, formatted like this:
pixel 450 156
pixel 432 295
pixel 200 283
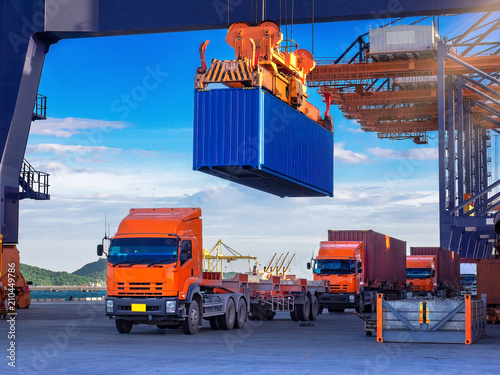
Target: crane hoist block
pixel 250 137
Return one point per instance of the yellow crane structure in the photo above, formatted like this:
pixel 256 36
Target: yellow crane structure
pixel 213 259
pixel 278 266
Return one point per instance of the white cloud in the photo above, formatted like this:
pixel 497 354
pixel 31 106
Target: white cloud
pixel 63 150
pixel 426 153
pixel 348 156
pixel 355 130
pixel 69 126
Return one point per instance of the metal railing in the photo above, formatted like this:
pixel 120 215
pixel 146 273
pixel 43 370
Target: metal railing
pixel 40 110
pixel 34 184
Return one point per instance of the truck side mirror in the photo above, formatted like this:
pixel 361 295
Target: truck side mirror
pixel 358 264
pixel 100 250
pixel 308 265
pixel 433 273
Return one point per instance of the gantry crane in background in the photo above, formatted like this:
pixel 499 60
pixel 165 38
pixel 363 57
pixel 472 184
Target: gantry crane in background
pixel 213 259
pixel 277 266
pixel 403 89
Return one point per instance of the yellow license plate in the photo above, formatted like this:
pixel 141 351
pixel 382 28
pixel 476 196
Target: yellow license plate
pixel 140 307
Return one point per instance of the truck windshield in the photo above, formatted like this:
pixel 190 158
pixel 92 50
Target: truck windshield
pixel 418 273
pixel 334 266
pixel 143 250
pixel 468 280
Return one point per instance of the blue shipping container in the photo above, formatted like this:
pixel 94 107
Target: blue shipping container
pixel 250 137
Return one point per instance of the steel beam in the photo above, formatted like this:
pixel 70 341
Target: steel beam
pixel 441 84
pixel 450 129
pixel 460 140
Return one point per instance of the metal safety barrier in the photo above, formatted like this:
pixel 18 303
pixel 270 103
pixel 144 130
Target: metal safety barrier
pixel 431 321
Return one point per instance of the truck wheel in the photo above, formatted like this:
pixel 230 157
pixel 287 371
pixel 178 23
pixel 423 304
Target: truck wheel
pixel 304 310
pixel 313 314
pixel 257 312
pixel 214 323
pixel 293 314
pixel 361 306
pixel 123 326
pixel 241 314
pixel 190 324
pixel 269 315
pixel 227 320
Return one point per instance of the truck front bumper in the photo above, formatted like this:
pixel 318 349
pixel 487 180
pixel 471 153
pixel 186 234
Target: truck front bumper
pixel 153 309
pixel 339 300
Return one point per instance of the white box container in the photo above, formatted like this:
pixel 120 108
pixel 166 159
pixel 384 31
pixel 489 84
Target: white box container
pixel 403 39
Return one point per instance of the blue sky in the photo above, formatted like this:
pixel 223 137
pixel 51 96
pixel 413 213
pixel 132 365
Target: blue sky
pixel 120 136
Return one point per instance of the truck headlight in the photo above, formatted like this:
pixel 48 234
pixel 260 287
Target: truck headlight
pixel 109 306
pixel 352 298
pixel 170 306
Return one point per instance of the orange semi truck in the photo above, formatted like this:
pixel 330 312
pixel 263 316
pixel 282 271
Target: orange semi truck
pixel 155 277
pixel 358 265
pixel 433 271
pixel 421 274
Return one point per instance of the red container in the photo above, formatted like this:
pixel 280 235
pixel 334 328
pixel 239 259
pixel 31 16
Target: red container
pixel 488 272
pixel 385 258
pixel 447 267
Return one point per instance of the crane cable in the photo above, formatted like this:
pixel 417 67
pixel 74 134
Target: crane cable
pixel 312 27
pixel 291 23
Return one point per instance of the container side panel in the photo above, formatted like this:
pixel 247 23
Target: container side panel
pixel 250 137
pixel 295 146
pixel 488 273
pixel 385 257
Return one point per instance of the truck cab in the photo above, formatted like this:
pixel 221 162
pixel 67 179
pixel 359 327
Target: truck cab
pixel 421 274
pixel 155 274
pixel 341 264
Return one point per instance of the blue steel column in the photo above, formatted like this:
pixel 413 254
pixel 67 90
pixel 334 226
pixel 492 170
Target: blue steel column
pixel 467 148
pixel 444 218
pixel 450 118
pixel 460 141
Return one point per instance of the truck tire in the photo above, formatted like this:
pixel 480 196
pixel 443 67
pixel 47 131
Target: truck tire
pixel 227 320
pixel 313 314
pixel 361 306
pixel 257 312
pixel 241 314
pixel 214 323
pixel 304 310
pixel 269 315
pixel 190 324
pixel 123 326
pixel 293 314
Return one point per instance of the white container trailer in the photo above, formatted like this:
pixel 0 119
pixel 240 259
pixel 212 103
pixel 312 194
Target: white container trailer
pixel 403 41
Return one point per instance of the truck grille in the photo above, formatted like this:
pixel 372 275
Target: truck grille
pixel 148 308
pixel 338 288
pixel 141 289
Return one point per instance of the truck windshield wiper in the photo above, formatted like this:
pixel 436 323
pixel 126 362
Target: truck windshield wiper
pixel 160 262
pixel 131 262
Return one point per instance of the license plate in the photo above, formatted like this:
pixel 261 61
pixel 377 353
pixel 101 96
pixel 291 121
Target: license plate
pixel 139 307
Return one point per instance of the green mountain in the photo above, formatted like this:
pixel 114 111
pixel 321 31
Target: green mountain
pixel 42 276
pixel 95 270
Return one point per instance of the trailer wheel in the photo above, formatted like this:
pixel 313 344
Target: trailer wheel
pixel 313 314
pixel 304 310
pixel 190 324
pixel 123 326
pixel 241 314
pixel 214 323
pixel 227 320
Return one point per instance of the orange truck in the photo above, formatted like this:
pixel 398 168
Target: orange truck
pixel 155 277
pixel 358 264
pixel 421 274
pixel 433 271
